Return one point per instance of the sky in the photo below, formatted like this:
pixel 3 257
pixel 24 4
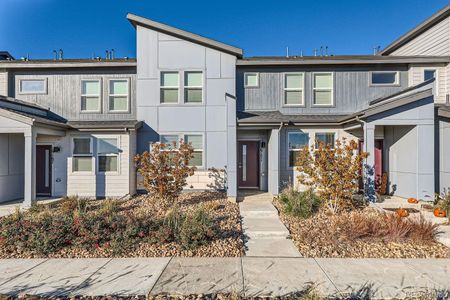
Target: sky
pixel 83 28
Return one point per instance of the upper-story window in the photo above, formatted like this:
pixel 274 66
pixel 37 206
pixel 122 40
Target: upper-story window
pixel 118 95
pixel 296 142
pixel 429 74
pixel 322 89
pixel 33 86
pixel 384 78
pixel 327 138
pixel 251 80
pixel 193 87
pixel 90 96
pixel 170 84
pixel 293 89
pixel 82 154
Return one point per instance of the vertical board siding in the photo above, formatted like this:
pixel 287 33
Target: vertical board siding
pixel 63 95
pixel 352 91
pixel 434 41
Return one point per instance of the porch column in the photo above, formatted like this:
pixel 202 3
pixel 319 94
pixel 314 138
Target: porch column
pixel 369 164
pixel 274 161
pixel 231 167
pixel 30 168
pixel 425 162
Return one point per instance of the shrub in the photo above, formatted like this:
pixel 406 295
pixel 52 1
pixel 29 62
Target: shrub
pixel 299 204
pixel 70 204
pixel 332 172
pixel 165 169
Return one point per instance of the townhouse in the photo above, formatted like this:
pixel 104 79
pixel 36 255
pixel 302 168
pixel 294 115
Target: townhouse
pixel 73 126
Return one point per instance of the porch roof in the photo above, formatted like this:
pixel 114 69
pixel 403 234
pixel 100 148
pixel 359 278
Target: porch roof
pixel 276 117
pixel 106 125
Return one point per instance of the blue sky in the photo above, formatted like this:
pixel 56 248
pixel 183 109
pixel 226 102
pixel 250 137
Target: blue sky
pixel 84 27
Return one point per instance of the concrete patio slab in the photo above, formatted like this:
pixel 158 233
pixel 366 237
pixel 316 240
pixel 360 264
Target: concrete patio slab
pixel 12 268
pixel 54 277
pixel 437 270
pixel 200 275
pixel 374 278
pixel 283 276
pixel 124 277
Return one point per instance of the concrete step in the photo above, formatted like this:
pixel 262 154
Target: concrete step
pixel 271 247
pixel 267 234
pixel 259 214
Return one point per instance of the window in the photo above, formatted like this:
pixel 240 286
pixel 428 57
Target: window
pixel 118 95
pixel 90 95
pixel 33 86
pixel 323 88
pixel 384 78
pixel 251 80
pixel 296 142
pixel 169 87
pixel 193 87
pixel 169 140
pixel 327 138
pixel 197 143
pixel 429 74
pixel 108 154
pixel 293 89
pixel 82 154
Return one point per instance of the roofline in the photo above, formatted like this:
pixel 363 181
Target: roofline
pixel 192 37
pixel 416 31
pixel 282 61
pixel 102 127
pixel 14 64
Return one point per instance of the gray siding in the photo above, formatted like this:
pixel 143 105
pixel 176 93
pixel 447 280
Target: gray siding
pixel 63 95
pixel 352 91
pixel 11 166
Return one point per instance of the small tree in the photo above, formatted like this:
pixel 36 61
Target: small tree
pixel 165 169
pixel 332 172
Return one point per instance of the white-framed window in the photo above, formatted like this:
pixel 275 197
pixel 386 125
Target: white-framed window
pixel 384 78
pixel 90 95
pixel 170 139
pixel 33 86
pixel 169 87
pixel 108 154
pixel 196 140
pixel 82 154
pixel 251 80
pixel 323 89
pixel 193 86
pixel 294 89
pixel 328 138
pixel 296 142
pixel 429 74
pixel 119 95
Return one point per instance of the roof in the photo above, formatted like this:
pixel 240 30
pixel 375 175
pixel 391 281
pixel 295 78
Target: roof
pixel 5 55
pixel 105 125
pixel 276 117
pixel 182 34
pixel 339 60
pixel 443 110
pixel 67 63
pixel 418 30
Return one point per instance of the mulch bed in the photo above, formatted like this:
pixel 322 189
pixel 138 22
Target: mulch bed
pixel 227 242
pixel 313 239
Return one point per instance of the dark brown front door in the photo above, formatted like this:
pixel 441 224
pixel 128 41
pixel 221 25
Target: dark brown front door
pixel 44 170
pixel 248 165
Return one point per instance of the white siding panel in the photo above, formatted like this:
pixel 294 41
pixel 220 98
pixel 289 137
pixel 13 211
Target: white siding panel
pixel 416 76
pixel 4 83
pixel 180 54
pixel 147 41
pixel 181 119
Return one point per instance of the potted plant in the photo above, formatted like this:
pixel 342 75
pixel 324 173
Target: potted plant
pixel 442 205
pixel 402 213
pixel 413 200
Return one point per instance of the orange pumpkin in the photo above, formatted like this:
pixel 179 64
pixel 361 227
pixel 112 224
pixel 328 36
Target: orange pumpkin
pixel 412 200
pixel 402 213
pixel 440 213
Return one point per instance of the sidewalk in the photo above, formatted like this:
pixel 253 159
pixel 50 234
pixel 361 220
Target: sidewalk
pixel 249 276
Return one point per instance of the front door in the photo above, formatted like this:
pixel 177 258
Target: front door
pixel 248 164
pixel 378 162
pixel 43 170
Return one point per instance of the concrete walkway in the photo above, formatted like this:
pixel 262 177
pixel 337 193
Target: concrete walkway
pixel 247 276
pixel 264 233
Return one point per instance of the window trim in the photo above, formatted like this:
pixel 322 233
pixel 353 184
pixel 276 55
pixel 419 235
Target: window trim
pixel 127 79
pixel 91 155
pixel 302 104
pixel 184 87
pixel 161 87
pixel 289 150
pixel 100 102
pixel 325 132
pixel 245 80
pixel 322 89
pixel 436 77
pixel 182 135
pixel 396 83
pixel 118 155
pixel 20 92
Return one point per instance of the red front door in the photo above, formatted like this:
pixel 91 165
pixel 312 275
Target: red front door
pixel 248 164
pixel 378 162
pixel 44 170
